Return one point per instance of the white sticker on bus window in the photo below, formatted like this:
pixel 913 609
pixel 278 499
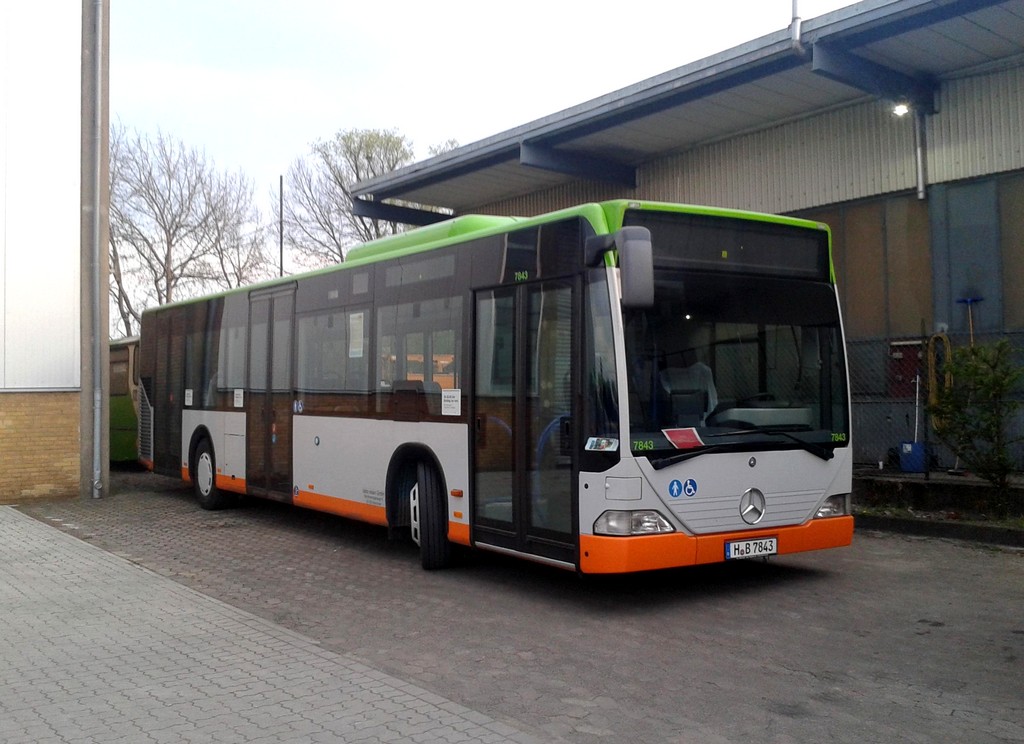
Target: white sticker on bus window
pixel 239 398
pixel 355 336
pixel 188 396
pixel 451 402
pixel 602 444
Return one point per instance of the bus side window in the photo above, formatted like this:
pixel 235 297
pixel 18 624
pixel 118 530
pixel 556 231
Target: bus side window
pixel 331 361
pixel 443 367
pixel 119 372
pixel 230 370
pixel 386 362
pixel 419 342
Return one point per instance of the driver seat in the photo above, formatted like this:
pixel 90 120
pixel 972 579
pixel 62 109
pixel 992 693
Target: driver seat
pixel 690 392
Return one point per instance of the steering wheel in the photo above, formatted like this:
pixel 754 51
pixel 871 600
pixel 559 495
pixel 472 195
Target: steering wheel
pixel 759 397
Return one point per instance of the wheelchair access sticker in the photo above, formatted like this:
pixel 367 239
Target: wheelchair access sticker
pixel 678 488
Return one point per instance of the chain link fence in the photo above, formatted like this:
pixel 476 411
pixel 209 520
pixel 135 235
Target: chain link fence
pixel 890 384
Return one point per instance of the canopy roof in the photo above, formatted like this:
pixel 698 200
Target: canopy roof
pixel 897 50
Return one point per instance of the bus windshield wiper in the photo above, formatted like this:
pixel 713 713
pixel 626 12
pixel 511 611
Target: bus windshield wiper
pixel 815 449
pixel 664 462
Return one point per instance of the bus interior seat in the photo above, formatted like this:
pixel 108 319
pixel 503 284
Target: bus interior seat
pixel 687 403
pixel 415 399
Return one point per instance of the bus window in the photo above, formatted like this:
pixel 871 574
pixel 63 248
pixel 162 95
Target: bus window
pixel 124 373
pixel 232 355
pixel 417 342
pixel 119 373
pixel 413 357
pixel 520 259
pixel 443 369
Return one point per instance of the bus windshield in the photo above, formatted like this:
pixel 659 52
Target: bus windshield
pixel 733 362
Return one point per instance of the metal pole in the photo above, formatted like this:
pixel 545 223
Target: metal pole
pixel 97 308
pixel 919 155
pixel 280 220
pixel 970 302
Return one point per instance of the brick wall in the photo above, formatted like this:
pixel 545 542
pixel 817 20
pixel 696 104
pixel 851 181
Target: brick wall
pixel 39 446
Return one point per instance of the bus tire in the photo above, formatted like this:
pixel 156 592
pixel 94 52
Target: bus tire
pixel 204 479
pixel 435 550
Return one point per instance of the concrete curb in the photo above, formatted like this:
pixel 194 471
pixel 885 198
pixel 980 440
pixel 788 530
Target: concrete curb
pixel 971 532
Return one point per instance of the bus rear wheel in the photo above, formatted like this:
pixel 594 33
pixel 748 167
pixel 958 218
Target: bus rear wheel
pixel 204 479
pixel 429 518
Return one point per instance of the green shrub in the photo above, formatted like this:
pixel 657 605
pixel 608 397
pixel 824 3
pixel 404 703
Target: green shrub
pixel 973 416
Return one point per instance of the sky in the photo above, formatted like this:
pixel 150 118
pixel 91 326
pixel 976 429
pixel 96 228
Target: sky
pixel 253 83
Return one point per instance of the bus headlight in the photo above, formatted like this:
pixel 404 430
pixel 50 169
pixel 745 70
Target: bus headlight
pixel 641 522
pixel 834 506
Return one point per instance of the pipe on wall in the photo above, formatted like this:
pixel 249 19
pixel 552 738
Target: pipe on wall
pixel 795 31
pixel 96 253
pixel 919 155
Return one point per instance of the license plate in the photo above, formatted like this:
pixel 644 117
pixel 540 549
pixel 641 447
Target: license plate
pixel 751 548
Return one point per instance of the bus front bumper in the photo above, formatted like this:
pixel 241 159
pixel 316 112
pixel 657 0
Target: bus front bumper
pixel 608 555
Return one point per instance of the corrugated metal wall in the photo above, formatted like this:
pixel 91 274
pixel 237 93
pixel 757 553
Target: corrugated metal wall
pixel 978 129
pixel 836 156
pixel 832 157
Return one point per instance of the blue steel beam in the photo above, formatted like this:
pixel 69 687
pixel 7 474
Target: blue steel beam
pixel 576 165
pixel 873 78
pixel 376 210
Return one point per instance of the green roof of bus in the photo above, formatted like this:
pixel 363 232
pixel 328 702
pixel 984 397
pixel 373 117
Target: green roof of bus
pixel 453 229
pixel 604 217
pixel 615 212
pixel 461 229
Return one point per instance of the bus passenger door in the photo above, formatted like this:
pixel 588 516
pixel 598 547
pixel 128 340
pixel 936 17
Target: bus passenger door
pixel 524 461
pixel 269 408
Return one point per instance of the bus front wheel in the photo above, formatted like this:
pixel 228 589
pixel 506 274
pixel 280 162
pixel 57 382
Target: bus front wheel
pixel 204 479
pixel 429 518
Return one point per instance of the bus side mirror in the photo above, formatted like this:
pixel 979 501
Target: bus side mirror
pixel 636 266
pixel 636 262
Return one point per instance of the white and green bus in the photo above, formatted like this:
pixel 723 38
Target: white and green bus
pixel 611 388
pixel 124 400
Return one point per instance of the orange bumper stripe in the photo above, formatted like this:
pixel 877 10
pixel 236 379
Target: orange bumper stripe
pixel 458 532
pixel 818 534
pixel 602 554
pixel 342 507
pixel 228 483
pixel 223 482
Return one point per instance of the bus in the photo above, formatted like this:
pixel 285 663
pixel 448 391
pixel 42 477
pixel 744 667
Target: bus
pixel 616 387
pixel 124 400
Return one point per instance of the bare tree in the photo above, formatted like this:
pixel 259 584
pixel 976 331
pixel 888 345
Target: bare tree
pixel 238 238
pixel 316 215
pixel 319 216
pixel 444 147
pixel 177 226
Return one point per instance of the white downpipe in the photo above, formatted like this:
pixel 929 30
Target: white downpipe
pixel 919 155
pixel 95 253
pixel 794 30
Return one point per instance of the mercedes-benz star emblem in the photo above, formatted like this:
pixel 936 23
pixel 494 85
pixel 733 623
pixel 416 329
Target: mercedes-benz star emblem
pixel 752 506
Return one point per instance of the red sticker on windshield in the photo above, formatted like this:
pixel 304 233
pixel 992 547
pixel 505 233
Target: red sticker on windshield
pixel 683 438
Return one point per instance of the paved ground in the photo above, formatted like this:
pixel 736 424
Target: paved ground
pixel 97 649
pixel 894 639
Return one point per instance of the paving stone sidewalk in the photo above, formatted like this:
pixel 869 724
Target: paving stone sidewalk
pixel 98 649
